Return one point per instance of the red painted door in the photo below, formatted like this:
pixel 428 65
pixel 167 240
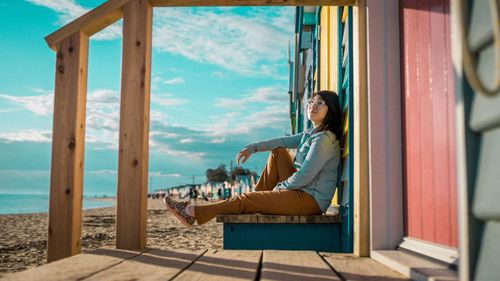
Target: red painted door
pixel 429 123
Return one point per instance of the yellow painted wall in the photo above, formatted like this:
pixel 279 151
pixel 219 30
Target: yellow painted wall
pixel 328 49
pixel 328 74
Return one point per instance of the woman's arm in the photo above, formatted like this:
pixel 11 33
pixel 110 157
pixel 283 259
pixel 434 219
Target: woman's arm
pixel 268 145
pixel 322 149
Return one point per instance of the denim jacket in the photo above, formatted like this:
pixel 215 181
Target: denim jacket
pixel 317 161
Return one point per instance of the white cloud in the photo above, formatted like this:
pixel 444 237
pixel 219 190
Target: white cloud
pixel 104 97
pixel 221 75
pixel 102 116
pixel 27 136
pixel 101 172
pixel 158 116
pixel 161 174
pixel 152 173
pixel 185 155
pixel 69 10
pixel 269 95
pixel 250 43
pixel 40 105
pixel 102 122
pixel 218 140
pixel 25 173
pixel 163 134
pixel 239 43
pixel 273 116
pixel 167 101
pixel 187 140
pixel 174 81
pixel 7 110
pixel 231 103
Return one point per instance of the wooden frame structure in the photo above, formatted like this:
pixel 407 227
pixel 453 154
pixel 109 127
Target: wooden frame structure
pixel 71 46
pixel 360 178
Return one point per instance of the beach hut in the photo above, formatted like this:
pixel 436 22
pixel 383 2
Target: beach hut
pixel 417 138
pixel 422 141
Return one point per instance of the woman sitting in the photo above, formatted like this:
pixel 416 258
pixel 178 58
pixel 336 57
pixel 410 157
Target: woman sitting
pixel 303 186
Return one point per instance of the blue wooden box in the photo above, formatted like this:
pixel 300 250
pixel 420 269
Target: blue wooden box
pixel 265 232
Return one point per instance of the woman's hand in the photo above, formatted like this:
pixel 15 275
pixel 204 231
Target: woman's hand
pixel 245 154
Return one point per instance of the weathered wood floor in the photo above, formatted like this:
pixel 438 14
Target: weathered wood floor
pixel 156 264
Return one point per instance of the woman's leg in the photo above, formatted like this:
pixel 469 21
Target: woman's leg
pixel 282 202
pixel 279 167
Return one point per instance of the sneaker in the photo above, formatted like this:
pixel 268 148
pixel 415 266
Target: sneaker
pixel 179 210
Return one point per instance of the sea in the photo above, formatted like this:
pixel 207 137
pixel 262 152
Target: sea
pixel 39 203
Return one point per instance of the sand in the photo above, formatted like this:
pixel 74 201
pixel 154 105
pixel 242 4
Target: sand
pixel 23 237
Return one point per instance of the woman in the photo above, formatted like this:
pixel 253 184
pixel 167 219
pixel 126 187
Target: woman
pixel 304 186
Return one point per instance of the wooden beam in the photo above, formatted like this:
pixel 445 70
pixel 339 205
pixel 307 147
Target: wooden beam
pixel 134 126
pixel 90 23
pixel 68 138
pixel 361 199
pixel 195 3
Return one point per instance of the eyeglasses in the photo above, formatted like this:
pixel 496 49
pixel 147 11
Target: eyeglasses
pixel 316 103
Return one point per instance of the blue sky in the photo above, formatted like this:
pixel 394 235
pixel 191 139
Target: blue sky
pixel 219 82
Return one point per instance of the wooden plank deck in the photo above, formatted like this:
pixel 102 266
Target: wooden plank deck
pixel 159 264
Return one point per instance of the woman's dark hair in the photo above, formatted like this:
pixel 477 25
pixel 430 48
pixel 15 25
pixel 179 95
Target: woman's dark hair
pixel 333 118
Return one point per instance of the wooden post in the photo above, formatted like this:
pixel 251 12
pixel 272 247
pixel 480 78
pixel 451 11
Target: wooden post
pixel 134 126
pixel 68 138
pixel 361 191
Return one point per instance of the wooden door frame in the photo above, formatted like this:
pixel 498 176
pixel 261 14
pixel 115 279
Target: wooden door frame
pixel 384 128
pixel 386 154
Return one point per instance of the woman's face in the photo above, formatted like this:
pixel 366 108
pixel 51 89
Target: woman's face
pixel 316 109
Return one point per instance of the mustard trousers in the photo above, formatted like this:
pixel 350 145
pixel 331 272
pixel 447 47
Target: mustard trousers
pixel 279 167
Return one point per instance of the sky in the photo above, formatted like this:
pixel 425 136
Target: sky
pixel 219 82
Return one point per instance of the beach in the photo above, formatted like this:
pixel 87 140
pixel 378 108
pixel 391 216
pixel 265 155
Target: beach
pixel 23 237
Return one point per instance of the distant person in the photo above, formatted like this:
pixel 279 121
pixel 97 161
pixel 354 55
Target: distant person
pixel 219 193
pixel 205 196
pixel 302 186
pixel 193 193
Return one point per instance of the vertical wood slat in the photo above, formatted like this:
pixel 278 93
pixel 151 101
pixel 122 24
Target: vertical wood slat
pixel 443 139
pixel 134 126
pixel 333 49
pixel 439 94
pixel 68 139
pixel 324 51
pixel 360 130
pixel 426 116
pixel 452 133
pixel 412 124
